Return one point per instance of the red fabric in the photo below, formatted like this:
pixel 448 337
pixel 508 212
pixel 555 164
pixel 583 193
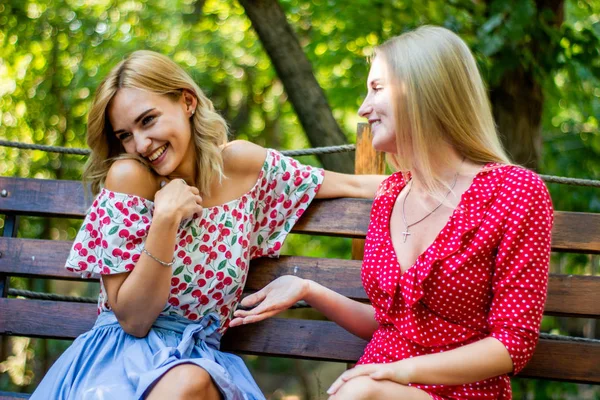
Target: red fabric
pixel 486 274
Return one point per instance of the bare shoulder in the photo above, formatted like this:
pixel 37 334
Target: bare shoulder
pixel 132 177
pixel 244 158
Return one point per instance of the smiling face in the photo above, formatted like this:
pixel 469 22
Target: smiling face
pixel 378 107
pixel 157 128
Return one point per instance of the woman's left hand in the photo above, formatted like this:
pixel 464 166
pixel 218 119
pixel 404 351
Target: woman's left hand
pixel 274 298
pixel 398 372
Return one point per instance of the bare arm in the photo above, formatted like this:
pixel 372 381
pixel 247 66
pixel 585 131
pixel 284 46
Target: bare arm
pixel 474 362
pixel 345 185
pixel 243 161
pixel 357 318
pixel 138 297
pixel 471 363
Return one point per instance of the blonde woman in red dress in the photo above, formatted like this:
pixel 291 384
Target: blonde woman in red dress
pixel 457 251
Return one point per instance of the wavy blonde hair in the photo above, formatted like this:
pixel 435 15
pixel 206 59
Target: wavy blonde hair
pixel 439 96
pixel 155 73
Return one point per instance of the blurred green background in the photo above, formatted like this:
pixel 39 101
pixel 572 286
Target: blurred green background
pixel 541 53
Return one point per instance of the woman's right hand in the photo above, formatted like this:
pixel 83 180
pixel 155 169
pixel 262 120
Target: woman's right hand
pixel 274 298
pixel 178 200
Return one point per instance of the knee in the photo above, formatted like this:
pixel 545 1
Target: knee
pixel 359 388
pixel 191 382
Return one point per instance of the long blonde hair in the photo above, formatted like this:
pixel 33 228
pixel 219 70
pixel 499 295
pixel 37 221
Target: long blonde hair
pixel 156 73
pixel 439 96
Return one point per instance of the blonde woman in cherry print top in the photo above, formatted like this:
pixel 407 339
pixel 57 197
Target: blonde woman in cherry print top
pixel 457 251
pixel 179 214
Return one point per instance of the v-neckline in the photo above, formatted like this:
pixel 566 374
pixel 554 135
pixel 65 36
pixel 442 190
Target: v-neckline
pixel 390 242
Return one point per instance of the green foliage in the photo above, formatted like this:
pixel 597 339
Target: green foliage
pixel 53 54
pixel 544 390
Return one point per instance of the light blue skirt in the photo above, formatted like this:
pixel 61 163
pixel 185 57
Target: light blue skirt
pixel 107 363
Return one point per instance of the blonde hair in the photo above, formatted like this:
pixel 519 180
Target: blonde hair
pixel 439 96
pixel 155 73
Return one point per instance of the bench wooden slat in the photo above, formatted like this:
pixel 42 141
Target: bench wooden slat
pixel 336 217
pixel 342 276
pixel 565 361
pixel 286 337
pixel 576 232
pixel 327 341
pixel 37 318
pixel 35 257
pixel 573 232
pixel 573 296
pixel 43 197
pixel 43 318
pixel 319 340
pixel 568 295
pixel 62 198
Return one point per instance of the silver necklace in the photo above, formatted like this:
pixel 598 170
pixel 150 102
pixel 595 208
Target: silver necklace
pixel 406 232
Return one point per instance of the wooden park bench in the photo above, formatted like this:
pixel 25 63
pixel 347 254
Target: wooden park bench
pixel 556 358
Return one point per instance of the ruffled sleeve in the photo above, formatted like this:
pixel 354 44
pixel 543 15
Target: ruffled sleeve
pixel 521 270
pixel 284 192
pixel 112 235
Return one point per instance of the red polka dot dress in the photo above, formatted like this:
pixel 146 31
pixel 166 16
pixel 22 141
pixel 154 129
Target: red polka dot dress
pixel 485 274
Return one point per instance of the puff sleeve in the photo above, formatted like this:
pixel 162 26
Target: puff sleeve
pixel 112 235
pixel 286 189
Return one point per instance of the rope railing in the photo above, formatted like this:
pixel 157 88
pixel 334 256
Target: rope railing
pixel 301 304
pixel 84 152
pixel 28 294
pixel 46 148
pixel 292 153
pixel 552 336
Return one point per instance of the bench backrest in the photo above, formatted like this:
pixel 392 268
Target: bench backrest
pixel 569 295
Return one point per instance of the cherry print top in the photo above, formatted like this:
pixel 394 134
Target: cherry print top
pixel 485 274
pixel 212 250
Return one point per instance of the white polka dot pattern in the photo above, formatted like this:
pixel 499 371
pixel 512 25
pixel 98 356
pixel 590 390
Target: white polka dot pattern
pixel 485 275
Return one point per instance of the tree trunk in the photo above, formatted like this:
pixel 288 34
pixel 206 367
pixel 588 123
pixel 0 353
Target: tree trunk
pixel 295 71
pixel 517 104
pixel 518 99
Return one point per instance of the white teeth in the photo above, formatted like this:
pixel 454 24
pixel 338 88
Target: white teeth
pixel 157 153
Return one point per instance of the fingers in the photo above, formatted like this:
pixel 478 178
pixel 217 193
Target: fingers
pixel 236 322
pixel 253 299
pixel 263 307
pixel 346 376
pixel 244 320
pixel 178 181
pixel 382 374
pixel 264 310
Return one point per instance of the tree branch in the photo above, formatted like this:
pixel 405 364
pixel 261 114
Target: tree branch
pixel 295 71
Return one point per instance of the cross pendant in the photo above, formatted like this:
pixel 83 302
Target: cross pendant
pixel 406 233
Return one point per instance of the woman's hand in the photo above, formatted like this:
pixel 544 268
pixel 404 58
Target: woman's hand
pixel 274 298
pixel 177 199
pixel 399 372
